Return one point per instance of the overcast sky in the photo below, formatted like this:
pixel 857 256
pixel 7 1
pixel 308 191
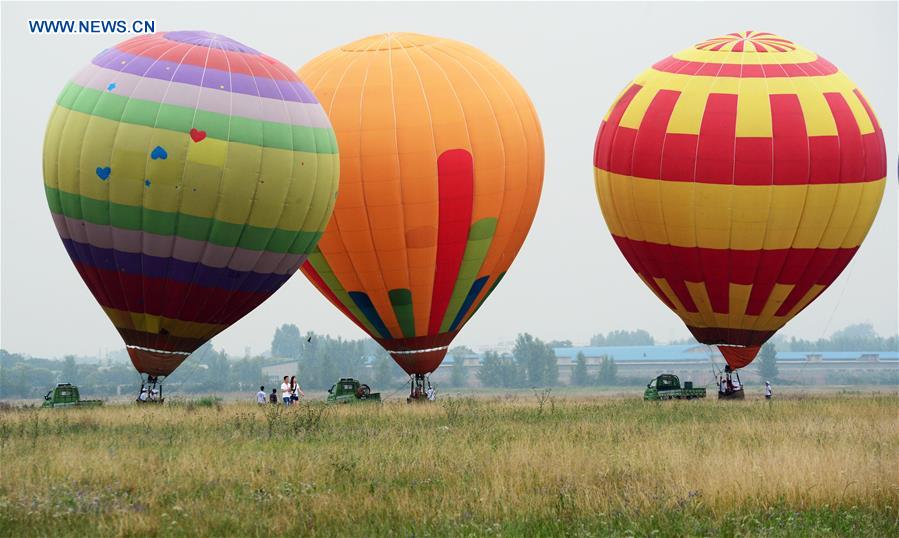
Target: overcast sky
pixel 569 280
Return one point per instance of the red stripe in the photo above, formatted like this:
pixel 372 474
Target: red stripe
pixel 424 362
pixel 455 185
pixel 602 149
pixel 734 337
pixel 134 337
pixel 852 156
pixel 790 140
pixel 651 135
pixel 674 65
pixel 171 298
pixel 875 149
pixel 718 268
pixel 717 137
pixel 679 159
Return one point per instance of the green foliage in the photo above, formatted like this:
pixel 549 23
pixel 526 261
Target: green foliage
pixel 579 376
pixel 536 360
pixel 623 338
pixel 767 362
pixel 857 337
pixel 69 372
pixel 608 371
pixel 287 342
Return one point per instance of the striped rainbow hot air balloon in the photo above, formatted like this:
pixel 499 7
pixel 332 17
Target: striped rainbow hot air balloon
pixel 441 159
pixel 188 176
pixel 738 178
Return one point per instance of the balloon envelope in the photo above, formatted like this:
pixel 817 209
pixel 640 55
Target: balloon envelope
pixel 738 178
pixel 188 176
pixel 441 170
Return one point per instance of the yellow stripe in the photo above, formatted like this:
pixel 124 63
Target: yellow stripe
pixel 743 217
pixel 753 108
pixel 221 181
pixel 153 324
pixel 798 56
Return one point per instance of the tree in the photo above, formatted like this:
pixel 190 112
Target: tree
pixel 623 338
pixel 459 372
pixel 768 362
pixel 559 343
pixel 287 342
pixel 383 373
pixel 608 371
pixel 69 373
pixel 579 376
pixel 490 374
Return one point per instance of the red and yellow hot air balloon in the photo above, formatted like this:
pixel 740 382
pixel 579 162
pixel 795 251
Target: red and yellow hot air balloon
pixel 739 177
pixel 441 165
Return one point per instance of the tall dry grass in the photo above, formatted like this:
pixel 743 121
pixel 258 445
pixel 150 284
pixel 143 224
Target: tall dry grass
pixel 461 466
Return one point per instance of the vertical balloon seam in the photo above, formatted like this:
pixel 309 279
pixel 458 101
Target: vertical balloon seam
pixel 374 323
pixel 374 316
pixel 759 318
pixel 82 201
pixel 767 224
pixel 455 308
pixel 309 267
pixel 162 341
pixel 451 321
pixel 428 296
pixel 194 286
pixel 405 315
pixel 435 321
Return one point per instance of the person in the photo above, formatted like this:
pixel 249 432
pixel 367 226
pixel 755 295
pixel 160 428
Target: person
pixel 737 384
pixel 722 385
pixel 261 397
pixel 143 395
pixel 285 391
pixel 767 390
pixel 432 394
pixel 273 397
pixel 295 390
pixel 154 394
pixel 730 385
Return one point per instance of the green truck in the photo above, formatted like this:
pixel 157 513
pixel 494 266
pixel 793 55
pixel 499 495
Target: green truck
pixel 67 395
pixel 349 390
pixel 668 387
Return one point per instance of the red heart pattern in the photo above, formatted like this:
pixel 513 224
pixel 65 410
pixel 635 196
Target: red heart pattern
pixel 197 135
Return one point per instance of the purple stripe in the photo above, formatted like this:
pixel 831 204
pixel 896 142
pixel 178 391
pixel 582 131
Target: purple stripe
pixel 286 90
pixel 170 268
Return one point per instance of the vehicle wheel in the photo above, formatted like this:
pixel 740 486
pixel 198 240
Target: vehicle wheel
pixel 363 392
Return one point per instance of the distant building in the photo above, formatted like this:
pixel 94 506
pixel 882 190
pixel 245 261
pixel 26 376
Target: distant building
pixel 276 372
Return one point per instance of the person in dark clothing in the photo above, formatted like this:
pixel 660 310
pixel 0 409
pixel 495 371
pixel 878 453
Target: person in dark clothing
pixel 273 397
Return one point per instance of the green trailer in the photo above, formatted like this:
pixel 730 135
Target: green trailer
pixel 349 390
pixel 67 395
pixel 668 387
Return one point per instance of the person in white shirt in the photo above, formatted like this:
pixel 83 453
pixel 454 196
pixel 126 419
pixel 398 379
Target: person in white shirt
pixel 285 391
pixel 261 396
pixel 295 390
pixel 767 390
pixel 143 395
pixel 432 394
pixel 736 384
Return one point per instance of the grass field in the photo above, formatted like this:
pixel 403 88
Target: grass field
pixel 514 465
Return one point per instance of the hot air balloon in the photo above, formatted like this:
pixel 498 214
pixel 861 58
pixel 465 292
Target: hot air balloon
pixel 441 169
pixel 188 176
pixel 738 178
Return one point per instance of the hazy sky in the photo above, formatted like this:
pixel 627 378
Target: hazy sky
pixel 569 280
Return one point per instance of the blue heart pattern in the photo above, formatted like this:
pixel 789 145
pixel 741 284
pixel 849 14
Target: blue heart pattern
pixel 159 153
pixel 103 172
pixel 111 86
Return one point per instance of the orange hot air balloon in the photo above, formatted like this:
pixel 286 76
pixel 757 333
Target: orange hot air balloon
pixel 441 166
pixel 739 177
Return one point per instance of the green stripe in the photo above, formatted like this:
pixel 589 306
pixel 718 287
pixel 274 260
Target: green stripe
pixel 484 300
pixel 401 300
pixel 320 264
pixel 214 231
pixel 480 237
pixel 181 119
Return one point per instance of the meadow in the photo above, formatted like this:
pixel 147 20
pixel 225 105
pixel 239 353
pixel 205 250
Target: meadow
pixel 523 464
